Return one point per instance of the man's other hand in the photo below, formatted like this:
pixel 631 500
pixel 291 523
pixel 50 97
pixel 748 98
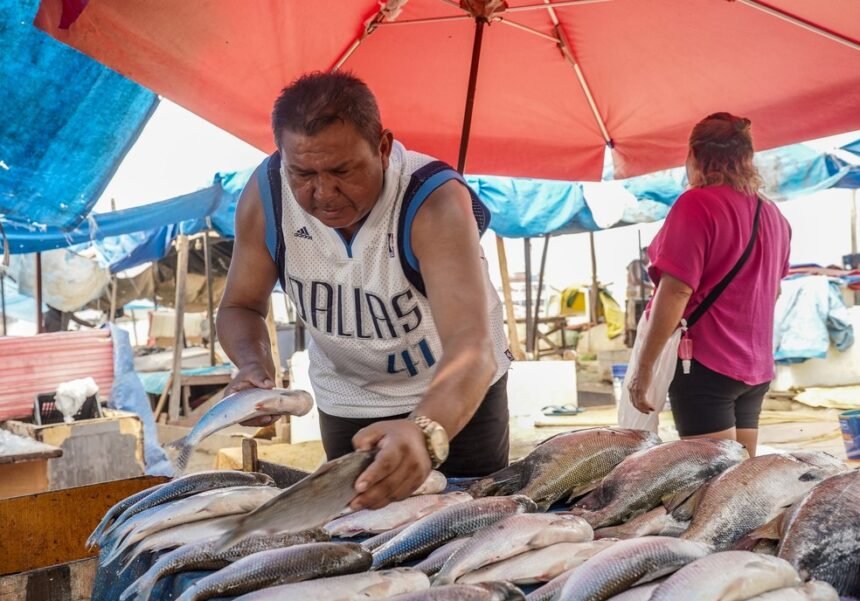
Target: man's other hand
pixel 402 463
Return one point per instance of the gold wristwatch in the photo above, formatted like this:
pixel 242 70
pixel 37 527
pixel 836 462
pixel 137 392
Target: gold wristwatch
pixel 435 438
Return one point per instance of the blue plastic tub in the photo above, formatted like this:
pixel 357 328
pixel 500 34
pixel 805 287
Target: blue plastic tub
pixel 849 421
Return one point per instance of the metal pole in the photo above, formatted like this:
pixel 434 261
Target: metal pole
pixel 594 291
pixel 3 297
pixel 210 303
pixel 540 289
pixel 178 328
pixel 113 292
pixel 39 326
pixel 527 242
pixel 470 95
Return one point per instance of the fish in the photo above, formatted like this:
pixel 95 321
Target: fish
pixel 374 542
pixel 657 522
pixel 309 503
pixel 566 465
pixel 749 494
pixel 486 591
pixel 280 566
pixel 434 562
pixel 509 537
pixel 811 591
pixel 434 530
pixel 202 556
pixel 728 576
pixel 435 483
pixel 667 473
pixel 239 407
pixel 629 563
pixel 540 565
pixel 376 521
pixel 638 593
pixel 351 587
pixel 550 590
pixel 205 505
pixel 185 534
pixel 821 537
pixel 187 486
pixel 116 511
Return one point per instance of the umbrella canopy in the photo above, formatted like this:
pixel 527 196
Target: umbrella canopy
pixel 555 82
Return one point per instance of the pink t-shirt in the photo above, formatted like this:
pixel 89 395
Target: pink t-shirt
pixel 703 237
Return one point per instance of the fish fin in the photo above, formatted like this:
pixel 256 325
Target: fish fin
pixel 676 499
pixel 684 512
pixel 185 450
pixel 813 475
pixel 768 531
pixel 583 489
pixel 506 481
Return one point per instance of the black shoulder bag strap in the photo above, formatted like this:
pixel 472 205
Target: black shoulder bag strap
pixel 718 289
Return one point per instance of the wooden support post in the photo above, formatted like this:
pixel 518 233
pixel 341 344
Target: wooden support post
pixel 39 321
pixel 510 317
pixel 210 304
pixel 113 292
pixel 178 329
pixel 249 455
pixel 273 342
pixel 159 407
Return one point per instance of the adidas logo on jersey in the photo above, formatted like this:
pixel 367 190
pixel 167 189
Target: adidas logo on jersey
pixel 303 232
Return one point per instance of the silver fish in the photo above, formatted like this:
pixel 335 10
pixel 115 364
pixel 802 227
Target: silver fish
pixel 754 492
pixel 435 483
pixel 511 536
pixel 309 503
pixel 567 465
pixel 811 591
pixel 657 522
pixel 206 505
pixel 203 556
pixel 352 587
pixel 434 562
pixel 374 542
pixel 194 532
pixel 432 531
pixel 280 566
pixel 187 486
pixel 638 593
pixel 486 591
pixel 728 576
pixel 653 476
pixel 375 521
pixel 628 563
pixel 540 565
pixel 821 536
pixel 238 407
pixel 116 511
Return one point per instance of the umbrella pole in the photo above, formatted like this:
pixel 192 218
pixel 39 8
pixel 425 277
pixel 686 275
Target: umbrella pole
pixel 470 94
pixel 539 290
pixel 39 327
pixel 527 242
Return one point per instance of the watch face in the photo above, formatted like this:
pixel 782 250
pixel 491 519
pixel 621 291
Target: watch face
pixel 439 443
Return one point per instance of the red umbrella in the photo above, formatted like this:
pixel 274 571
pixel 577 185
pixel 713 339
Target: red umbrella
pixel 553 82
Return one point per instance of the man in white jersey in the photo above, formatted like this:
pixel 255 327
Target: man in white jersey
pixel 378 248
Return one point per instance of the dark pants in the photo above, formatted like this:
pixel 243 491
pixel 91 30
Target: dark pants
pixel 480 448
pixel 705 401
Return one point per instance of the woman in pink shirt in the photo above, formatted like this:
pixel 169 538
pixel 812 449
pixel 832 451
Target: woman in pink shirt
pixel 717 262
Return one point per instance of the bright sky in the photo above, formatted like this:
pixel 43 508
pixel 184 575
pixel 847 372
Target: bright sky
pixel 179 152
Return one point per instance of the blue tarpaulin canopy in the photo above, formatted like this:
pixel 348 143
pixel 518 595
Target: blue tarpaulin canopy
pixel 67 122
pixel 519 207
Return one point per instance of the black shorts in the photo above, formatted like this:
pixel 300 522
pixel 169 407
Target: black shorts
pixel 481 448
pixel 705 401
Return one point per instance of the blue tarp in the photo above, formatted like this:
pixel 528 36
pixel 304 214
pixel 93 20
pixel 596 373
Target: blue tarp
pixel 67 121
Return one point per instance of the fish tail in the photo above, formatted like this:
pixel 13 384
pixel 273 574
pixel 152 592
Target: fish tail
pixel 139 590
pixel 94 538
pixel 185 448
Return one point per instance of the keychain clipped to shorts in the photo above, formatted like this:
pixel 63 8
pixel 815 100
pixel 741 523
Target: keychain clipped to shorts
pixel 685 348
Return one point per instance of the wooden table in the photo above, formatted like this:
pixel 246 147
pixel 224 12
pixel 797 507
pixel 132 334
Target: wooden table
pixel 26 472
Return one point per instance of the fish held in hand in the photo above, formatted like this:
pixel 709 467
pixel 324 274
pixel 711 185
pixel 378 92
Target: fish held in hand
pixel 239 407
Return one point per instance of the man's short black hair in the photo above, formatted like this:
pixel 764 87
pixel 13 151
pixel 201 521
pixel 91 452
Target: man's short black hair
pixel 316 100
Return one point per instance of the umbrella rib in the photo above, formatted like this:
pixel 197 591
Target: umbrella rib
pixel 444 19
pixel 775 12
pixel 528 29
pixel 564 46
pixel 557 4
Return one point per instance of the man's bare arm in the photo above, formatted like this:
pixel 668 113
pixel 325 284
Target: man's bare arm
pixel 250 280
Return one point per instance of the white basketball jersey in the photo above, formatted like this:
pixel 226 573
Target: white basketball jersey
pixel 373 345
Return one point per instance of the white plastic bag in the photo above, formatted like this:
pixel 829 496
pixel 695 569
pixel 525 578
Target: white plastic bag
pixel 664 370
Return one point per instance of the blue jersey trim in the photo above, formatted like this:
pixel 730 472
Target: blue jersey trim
pixel 424 191
pixel 268 210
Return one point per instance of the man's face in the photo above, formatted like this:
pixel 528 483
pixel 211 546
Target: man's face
pixel 336 175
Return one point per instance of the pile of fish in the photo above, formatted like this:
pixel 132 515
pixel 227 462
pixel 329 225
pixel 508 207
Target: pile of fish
pixel 631 519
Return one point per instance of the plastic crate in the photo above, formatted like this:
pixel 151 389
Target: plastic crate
pixel 45 410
